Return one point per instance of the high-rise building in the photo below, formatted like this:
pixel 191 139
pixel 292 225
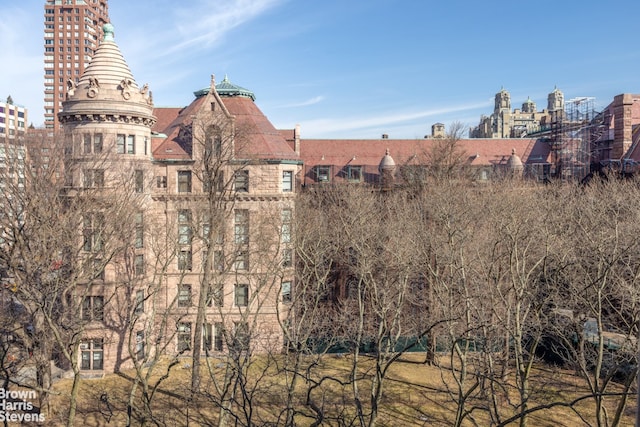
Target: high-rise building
pixel 72 29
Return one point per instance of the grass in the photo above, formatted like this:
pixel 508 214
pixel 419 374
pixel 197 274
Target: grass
pixel 414 394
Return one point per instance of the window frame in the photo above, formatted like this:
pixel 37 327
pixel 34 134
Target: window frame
pixel 286 288
pixel 138 180
pixel 322 171
pixel 241 295
pixel 92 350
pixel 185 295
pixel 287 181
pixel 354 173
pixel 184 178
pixel 241 181
pixel 92 308
pixel 185 260
pixel 183 335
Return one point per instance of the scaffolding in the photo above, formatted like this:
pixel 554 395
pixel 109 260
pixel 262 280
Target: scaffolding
pixel 573 131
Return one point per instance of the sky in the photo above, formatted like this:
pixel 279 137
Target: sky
pixel 353 68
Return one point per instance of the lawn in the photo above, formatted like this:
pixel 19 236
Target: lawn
pixel 414 394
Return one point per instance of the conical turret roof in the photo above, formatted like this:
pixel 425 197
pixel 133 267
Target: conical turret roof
pixel 108 65
pixel 107 88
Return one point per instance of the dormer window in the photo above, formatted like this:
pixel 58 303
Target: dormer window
pixel 354 173
pixel 323 173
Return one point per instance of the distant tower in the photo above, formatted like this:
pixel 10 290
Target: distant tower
pixel 555 100
pixel 529 106
pixel 72 29
pixel 502 102
pixel 437 130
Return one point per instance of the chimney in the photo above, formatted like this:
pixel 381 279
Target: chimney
pixel 385 136
pixel 296 139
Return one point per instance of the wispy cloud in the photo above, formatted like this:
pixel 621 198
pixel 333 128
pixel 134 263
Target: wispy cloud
pixel 312 101
pixel 349 123
pixel 204 23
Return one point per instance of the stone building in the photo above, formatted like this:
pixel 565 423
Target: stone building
pixel 211 186
pixel 517 123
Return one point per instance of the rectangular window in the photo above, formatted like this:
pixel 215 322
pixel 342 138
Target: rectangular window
pixel 354 173
pixel 216 295
pixel 206 337
pixel 98 178
pixel 218 179
pixel 161 181
pixel 92 308
pixel 139 307
pixel 242 260
pixel 286 292
pixel 184 227
pixel 285 231
pixel 139 181
pixel 241 226
pixel 241 295
pixel 131 144
pixel 184 181
pixel 323 173
pixel 139 224
pixel 184 296
pixel 241 181
pixel 218 339
pixel 93 178
pixel 218 260
pixel 120 139
pixel 184 260
pixel 140 345
pixel 87 143
pixel 287 181
pixel 92 354
pixel 287 258
pixel 97 143
pixel 93 225
pixel 98 269
pixel 139 264
pixel 184 337
pixel 241 337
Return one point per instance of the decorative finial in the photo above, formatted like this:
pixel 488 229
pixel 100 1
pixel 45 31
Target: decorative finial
pixel 213 81
pixel 386 153
pixel 513 151
pixel 226 78
pixel 108 32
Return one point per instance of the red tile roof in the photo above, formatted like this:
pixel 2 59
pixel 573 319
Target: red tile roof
pixel 173 147
pixel 368 153
pixel 164 117
pixel 265 141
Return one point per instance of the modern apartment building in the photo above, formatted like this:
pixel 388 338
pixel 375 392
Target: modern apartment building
pixel 13 119
pixel 72 29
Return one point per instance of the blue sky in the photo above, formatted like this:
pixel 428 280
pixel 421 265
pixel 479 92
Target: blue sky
pixel 354 68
